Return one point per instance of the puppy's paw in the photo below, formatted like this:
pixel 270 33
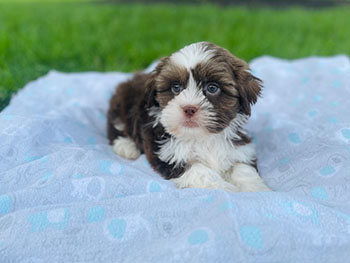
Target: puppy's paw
pixel 200 176
pixel 181 182
pixel 247 179
pixel 126 148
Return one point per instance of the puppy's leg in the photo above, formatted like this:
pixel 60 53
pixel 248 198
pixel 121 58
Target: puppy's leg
pixel 200 176
pixel 247 179
pixel 123 146
pixel 126 148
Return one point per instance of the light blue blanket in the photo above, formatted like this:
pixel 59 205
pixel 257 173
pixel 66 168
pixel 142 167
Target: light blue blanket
pixel 66 197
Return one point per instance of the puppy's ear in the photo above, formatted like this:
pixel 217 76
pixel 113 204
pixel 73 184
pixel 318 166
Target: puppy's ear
pixel 249 89
pixel 248 86
pixel 151 87
pixel 151 92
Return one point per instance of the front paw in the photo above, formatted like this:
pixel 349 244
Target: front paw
pixel 200 176
pixel 247 179
pixel 126 148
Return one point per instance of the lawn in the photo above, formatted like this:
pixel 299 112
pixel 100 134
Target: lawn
pixel 85 36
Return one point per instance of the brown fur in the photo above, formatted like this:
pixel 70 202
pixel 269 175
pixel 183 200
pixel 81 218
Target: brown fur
pixel 170 74
pixel 130 104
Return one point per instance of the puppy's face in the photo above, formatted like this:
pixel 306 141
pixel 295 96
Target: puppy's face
pixel 201 89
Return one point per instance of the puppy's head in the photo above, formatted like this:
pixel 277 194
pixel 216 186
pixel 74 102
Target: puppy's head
pixel 202 89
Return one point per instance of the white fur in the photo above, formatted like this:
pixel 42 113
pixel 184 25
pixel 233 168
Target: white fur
pixel 191 55
pixel 119 125
pixel 246 178
pixel 200 176
pixel 126 148
pixel 216 157
pixel 214 150
pixel 156 113
pixel 236 125
pixel 191 95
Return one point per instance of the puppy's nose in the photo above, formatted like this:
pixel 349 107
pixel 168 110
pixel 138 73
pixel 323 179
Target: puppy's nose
pixel 190 110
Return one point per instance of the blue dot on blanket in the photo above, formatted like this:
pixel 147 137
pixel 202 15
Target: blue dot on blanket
pixel 284 161
pixel 319 193
pixel 108 94
pixel 336 84
pixel 117 168
pixel 252 236
pixel 110 167
pixel 69 91
pixel 29 158
pixel 5 204
pixel 38 221
pixel 312 113
pixel 8 117
pixel 120 195
pixel 346 133
pixel 55 219
pixel 327 170
pixel 154 187
pixel 91 140
pixel 227 206
pixel 116 228
pixel 105 165
pixel 317 98
pixel 208 199
pixel 294 138
pixel 268 129
pixel 198 237
pixel 68 140
pixel 96 214
pixel 305 80
pixel 333 120
pixel 334 103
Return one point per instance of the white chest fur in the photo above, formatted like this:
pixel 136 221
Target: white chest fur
pixel 216 151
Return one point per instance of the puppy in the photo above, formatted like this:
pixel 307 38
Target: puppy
pixel 187 117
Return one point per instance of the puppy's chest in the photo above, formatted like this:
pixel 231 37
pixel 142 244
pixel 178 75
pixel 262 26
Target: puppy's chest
pixel 218 154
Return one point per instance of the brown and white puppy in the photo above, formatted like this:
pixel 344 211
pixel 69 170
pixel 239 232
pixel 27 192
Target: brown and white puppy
pixel 187 116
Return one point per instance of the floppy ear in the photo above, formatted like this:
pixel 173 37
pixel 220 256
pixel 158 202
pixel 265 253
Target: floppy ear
pixel 250 90
pixel 151 88
pixel 151 92
pixel 248 86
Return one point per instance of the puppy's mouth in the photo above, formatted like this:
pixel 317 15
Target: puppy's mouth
pixel 189 123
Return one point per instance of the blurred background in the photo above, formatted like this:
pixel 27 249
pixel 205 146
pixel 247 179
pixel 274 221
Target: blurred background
pixel 127 35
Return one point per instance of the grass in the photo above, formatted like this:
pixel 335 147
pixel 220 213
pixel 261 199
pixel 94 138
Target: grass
pixel 82 36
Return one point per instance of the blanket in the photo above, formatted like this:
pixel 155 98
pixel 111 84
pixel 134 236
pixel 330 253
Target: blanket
pixel 66 197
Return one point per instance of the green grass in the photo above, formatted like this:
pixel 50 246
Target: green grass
pixel 37 37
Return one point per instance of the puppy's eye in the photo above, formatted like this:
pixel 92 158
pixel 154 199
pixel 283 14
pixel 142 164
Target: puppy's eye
pixel 176 88
pixel 212 88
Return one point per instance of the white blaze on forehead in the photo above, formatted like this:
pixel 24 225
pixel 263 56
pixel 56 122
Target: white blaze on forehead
pixel 191 95
pixel 191 55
